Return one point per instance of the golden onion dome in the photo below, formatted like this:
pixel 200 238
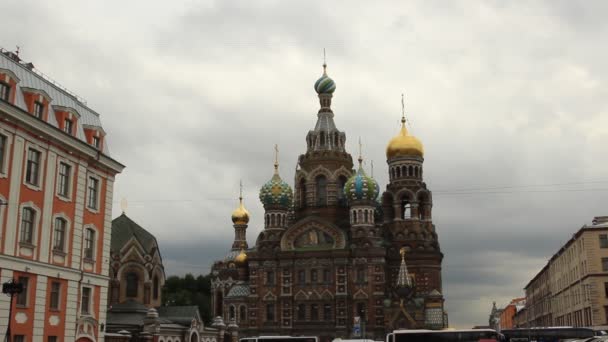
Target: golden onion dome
pixel 404 144
pixel 241 258
pixel 240 215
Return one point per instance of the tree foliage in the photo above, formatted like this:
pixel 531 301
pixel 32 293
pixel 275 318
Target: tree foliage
pixel 189 291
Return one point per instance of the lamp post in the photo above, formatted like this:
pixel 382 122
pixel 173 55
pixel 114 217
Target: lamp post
pixel 11 288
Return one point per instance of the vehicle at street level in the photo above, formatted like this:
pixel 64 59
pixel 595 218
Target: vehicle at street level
pixel 452 335
pixel 548 334
pixel 280 339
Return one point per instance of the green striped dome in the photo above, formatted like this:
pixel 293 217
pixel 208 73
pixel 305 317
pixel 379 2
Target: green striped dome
pixel 325 85
pixel 276 192
pixel 361 187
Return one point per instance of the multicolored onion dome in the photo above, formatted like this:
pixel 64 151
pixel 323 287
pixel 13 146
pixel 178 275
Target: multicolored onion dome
pixel 361 187
pixel 240 215
pixel 325 85
pixel 276 192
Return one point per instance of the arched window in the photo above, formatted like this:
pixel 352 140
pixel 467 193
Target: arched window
pixel 59 238
pixel 404 171
pixel 321 191
pixel 416 171
pixel 132 285
pixel 155 287
pixel 322 139
pixel 89 243
pixel 411 171
pixel 242 313
pixel 341 195
pixel 231 312
pixel 398 172
pixel 302 193
pixel 407 209
pixel 28 216
pixel 272 220
pixel 354 216
pixel 366 218
pixel 193 337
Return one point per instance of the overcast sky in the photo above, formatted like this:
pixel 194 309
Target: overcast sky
pixel 508 98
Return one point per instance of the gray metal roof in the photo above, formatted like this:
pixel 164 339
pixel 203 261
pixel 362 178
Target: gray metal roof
pixel 238 290
pixel 59 97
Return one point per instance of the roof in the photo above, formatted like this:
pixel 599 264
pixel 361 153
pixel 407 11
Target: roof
pixel 32 79
pixel 179 314
pixel 132 313
pixel 123 229
pixel 238 290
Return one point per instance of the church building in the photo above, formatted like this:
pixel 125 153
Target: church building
pixel 335 258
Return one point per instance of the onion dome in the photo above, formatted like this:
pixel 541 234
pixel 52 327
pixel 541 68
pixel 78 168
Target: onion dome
pixel 404 144
pixel 361 186
pixel 241 258
pixel 240 215
pixel 325 85
pixel 276 192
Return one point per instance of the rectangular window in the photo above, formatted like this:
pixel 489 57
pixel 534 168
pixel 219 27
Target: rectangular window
pixel 326 276
pixel 27 225
pixel 93 191
pixel 64 180
pixel 19 338
pixel 85 301
pixel 605 264
pixel 301 276
pixel 603 241
pixel 38 109
pixel 89 243
pixel 55 291
pixel 270 312
pixel 270 278
pixel 314 312
pixel 5 91
pixel 22 297
pixel 67 126
pixel 96 142
pixel 32 175
pixel 301 312
pixel 327 312
pixel 313 276
pixel 59 241
pixel 52 339
pixel 2 152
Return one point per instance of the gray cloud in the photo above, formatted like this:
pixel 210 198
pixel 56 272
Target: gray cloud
pixel 507 98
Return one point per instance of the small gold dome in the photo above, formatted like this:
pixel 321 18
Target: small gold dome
pixel 241 258
pixel 240 215
pixel 404 144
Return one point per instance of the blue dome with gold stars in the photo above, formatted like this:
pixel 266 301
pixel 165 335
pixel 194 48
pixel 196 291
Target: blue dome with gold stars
pixel 361 187
pixel 325 85
pixel 276 192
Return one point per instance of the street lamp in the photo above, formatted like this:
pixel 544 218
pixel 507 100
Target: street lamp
pixel 11 289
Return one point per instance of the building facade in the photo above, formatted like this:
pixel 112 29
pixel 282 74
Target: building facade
pixel 508 313
pixel 329 258
pixel 56 181
pixel 572 289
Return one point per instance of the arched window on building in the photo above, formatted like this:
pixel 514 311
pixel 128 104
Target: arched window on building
pixel 231 312
pixel 132 285
pixel 341 195
pixel 242 313
pixel 321 190
pixel 366 218
pixel 407 209
pixel 302 193
pixel 155 287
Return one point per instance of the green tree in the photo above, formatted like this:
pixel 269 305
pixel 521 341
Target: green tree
pixel 189 291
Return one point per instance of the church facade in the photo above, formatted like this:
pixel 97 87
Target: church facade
pixel 336 258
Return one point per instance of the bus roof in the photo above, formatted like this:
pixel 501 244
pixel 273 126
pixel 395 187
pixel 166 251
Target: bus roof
pixel 417 331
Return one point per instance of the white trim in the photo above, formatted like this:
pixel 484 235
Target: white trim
pixel 50 270
pixel 47 207
pixel 7 152
pixel 60 160
pixel 14 192
pixel 99 179
pixel 36 224
pixel 67 233
pixel 95 239
pixel 91 312
pixel 32 146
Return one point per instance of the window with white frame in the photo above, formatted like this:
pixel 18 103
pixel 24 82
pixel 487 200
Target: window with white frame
pixel 96 142
pixel 63 181
pixel 32 174
pixel 93 200
pixel 85 301
pixel 5 91
pixel 22 298
pixel 28 216
pixel 60 230
pixel 68 126
pixel 38 109
pixel 55 295
pixel 89 243
pixel 3 153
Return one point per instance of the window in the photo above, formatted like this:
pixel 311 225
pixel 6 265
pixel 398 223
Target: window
pixel 313 276
pixel 327 312
pixel 52 339
pixel 231 312
pixel 155 287
pixel 603 241
pixel 96 142
pixel 22 297
pixel 360 310
pixel 326 276
pixel 89 243
pixel 270 312
pixel 32 174
pixel 55 291
pixel 301 276
pixel 64 180
pixel 321 191
pixel 131 284
pixel 19 338
pixel 606 289
pixel 301 312
pixel 360 275
pixel 38 109
pixel 314 312
pixel 341 195
pixel 2 152
pixel 605 264
pixel 85 303
pixel 60 227
pixel 5 91
pixel 67 126
pixel 270 278
pixel 242 313
pixel 303 193
pixel 93 190
pixel 27 225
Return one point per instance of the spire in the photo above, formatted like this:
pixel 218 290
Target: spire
pixel 276 159
pixel 402 112
pixel 360 154
pixel 324 63
pixel 241 191
pixel 403 279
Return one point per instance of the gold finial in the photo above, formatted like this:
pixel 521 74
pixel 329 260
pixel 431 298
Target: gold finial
pixel 241 191
pixel 276 158
pixel 123 205
pixel 402 111
pixel 360 153
pixel 324 63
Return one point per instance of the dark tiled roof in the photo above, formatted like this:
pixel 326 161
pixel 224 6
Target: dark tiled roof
pixel 129 306
pixel 179 314
pixel 238 290
pixel 123 229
